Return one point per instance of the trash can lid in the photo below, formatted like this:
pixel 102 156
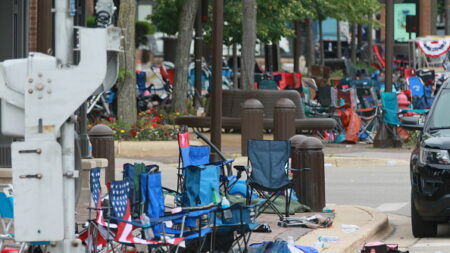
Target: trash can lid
pixel 296 140
pixel 252 103
pixel 101 130
pixel 285 103
pixel 311 143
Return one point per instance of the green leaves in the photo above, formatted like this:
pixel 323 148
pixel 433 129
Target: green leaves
pixel 166 15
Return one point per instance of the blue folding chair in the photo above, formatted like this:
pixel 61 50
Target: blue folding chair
pixel 7 221
pixel 268 173
pixel 191 224
pixel 131 173
pixel 125 234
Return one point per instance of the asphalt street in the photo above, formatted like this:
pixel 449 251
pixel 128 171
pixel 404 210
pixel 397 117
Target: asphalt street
pixel 387 189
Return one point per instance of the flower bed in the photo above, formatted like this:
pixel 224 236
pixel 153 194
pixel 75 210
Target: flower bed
pixel 151 125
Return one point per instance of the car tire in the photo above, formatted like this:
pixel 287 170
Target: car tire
pixel 421 228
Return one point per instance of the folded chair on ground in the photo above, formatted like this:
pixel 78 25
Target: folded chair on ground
pixel 267 173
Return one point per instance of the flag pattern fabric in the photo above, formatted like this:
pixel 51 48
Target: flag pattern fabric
pixel 121 207
pixel 96 193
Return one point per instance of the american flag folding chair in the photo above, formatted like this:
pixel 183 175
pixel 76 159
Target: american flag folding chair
pixel 98 234
pixel 134 232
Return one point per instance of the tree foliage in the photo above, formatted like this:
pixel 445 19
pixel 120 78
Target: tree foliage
pixel 166 15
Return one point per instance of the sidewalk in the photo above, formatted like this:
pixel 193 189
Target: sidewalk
pixel 370 221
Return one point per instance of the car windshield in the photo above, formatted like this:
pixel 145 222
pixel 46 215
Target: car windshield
pixel 440 118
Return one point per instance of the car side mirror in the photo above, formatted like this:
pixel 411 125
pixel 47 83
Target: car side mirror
pixel 412 123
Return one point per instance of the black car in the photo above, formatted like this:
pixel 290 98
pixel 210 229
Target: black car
pixel 430 167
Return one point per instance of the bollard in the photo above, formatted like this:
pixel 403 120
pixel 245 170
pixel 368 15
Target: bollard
pixel 284 119
pixel 309 182
pixel 252 116
pixel 102 140
pixel 295 161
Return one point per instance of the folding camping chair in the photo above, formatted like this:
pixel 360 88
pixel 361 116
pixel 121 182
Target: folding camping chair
pixel 196 224
pixel 131 173
pixel 140 232
pixel 198 155
pixel 7 220
pixel 98 234
pixel 201 189
pixel 368 111
pixel 268 173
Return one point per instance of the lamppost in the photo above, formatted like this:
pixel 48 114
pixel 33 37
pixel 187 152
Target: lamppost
pixel 216 115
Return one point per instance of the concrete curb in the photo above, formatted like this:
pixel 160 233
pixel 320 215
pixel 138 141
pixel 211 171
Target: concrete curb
pixel 377 223
pixel 152 149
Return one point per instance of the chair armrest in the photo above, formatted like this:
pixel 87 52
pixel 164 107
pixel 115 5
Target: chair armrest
pixel 240 168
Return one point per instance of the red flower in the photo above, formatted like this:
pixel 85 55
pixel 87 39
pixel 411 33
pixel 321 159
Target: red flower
pixel 154 125
pixel 156 119
pixel 133 132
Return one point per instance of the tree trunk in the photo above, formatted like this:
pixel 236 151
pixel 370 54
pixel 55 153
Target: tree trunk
pixel 185 29
pixel 309 44
pixel 276 57
pixel 248 43
pixel 360 40
pixel 297 46
pixel 353 45
pixel 268 58
pixel 126 87
pixel 321 49
pixel 235 67
pixel 339 41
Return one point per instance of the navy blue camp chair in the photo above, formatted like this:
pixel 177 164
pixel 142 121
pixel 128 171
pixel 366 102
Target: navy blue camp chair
pixel 131 173
pixel 191 224
pixel 152 230
pixel 268 173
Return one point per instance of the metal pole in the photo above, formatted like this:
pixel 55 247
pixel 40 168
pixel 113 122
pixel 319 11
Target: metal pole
pixel 63 32
pixel 389 44
pixel 235 67
pixel 338 36
pixel 198 55
pixel 297 46
pixel 64 11
pixel 447 17
pixel 216 116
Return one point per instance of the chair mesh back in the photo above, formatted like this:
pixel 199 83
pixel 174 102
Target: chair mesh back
pixel 192 155
pixel 6 206
pixel 118 196
pixel 390 107
pixel 94 181
pixel 269 160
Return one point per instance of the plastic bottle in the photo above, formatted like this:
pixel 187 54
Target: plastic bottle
pixel 89 149
pixel 290 240
pixel 227 215
pixel 347 228
pixel 328 238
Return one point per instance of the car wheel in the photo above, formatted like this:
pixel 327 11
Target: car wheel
pixel 421 228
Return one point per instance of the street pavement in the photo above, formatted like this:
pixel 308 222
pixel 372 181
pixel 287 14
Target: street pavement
pixel 356 175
